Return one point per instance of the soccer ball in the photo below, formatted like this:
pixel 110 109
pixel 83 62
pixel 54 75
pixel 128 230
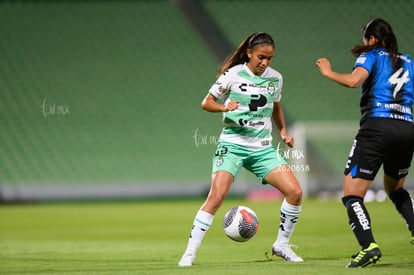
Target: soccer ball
pixel 240 223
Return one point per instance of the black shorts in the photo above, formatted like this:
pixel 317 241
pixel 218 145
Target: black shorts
pixel 381 141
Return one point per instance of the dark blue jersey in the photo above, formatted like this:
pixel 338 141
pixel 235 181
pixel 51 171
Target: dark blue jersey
pixel 388 91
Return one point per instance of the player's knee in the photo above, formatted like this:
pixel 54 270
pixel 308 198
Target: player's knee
pixel 348 200
pixel 215 200
pixel 298 193
pixel 294 196
pixel 398 197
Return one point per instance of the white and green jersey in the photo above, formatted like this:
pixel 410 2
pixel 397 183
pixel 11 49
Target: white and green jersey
pixel 250 124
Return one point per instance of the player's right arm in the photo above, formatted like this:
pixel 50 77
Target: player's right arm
pixel 219 92
pixel 210 104
pixel 352 80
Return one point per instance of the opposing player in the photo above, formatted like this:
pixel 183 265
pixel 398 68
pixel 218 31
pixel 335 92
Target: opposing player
pixel 386 134
pixel 248 93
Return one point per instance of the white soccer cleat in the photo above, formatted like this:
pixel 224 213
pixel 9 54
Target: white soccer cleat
pixel 284 251
pixel 186 260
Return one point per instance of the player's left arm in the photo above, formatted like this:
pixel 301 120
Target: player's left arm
pixel 279 119
pixel 352 80
pixel 210 104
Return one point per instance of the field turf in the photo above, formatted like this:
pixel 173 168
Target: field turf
pixel 148 237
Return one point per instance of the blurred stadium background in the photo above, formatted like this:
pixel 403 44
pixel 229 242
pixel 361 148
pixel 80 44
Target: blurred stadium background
pixel 101 99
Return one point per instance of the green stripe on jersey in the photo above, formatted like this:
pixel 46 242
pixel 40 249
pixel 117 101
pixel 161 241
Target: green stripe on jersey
pixel 244 99
pixel 257 79
pixel 249 132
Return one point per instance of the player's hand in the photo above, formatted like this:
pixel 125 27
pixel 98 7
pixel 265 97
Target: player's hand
pixel 231 106
pixel 289 140
pixel 324 66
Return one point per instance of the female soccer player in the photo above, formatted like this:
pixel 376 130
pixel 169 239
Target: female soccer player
pixel 386 134
pixel 250 92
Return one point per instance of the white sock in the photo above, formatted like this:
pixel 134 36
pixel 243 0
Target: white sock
pixel 202 223
pixel 289 215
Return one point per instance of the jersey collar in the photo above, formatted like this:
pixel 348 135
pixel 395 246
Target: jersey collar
pixel 251 73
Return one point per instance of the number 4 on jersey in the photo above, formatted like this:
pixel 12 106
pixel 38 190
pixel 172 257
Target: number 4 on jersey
pixel 398 80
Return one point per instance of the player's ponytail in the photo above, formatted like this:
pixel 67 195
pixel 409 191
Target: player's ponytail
pixel 239 56
pixel 382 30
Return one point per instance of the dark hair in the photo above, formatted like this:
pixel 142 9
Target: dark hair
pixel 239 56
pixel 382 30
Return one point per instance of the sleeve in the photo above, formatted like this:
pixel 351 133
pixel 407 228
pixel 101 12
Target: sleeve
pixel 366 61
pixel 221 87
pixel 412 71
pixel 279 86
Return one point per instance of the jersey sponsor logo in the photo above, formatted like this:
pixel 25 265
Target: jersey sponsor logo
pixel 255 115
pixel 257 101
pixel 270 88
pixel 256 123
pixel 242 87
pixel 403 171
pixel 253 85
pixel 365 171
pixel 243 122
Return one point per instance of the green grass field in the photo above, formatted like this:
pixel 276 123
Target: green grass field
pixel 149 237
